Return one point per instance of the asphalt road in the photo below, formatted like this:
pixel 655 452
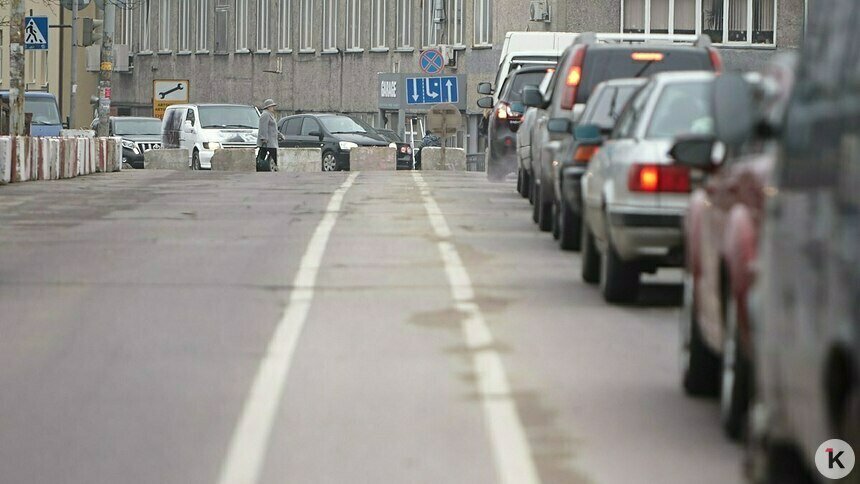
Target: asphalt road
pixel 164 327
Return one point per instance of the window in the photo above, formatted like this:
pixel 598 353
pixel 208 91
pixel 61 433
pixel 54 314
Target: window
pixel 145 11
pixel 202 44
pixel 241 25
pixel 124 25
pixel 681 110
pixel 164 26
pixel 483 22
pixel 353 25
pixel 404 23
pixel 724 21
pixel 306 23
pixel 329 27
pixel 263 26
pixel 184 27
pixel 443 22
pixel 309 126
pixel 285 30
pixel 293 127
pixel 378 24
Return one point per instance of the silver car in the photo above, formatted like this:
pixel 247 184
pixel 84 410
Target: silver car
pixel 634 196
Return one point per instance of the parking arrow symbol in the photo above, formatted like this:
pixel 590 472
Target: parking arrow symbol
pixel 449 84
pixel 427 91
pixel 415 89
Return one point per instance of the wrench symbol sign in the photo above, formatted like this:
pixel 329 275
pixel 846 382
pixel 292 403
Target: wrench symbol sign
pixel 178 87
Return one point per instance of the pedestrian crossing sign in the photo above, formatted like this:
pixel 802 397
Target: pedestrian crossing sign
pixel 36 33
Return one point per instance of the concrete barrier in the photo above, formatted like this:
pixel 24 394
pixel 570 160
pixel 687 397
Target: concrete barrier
pixel 5 160
pixel 431 159
pixel 299 159
pixel 235 159
pixel 372 158
pixel 166 159
pixel 25 158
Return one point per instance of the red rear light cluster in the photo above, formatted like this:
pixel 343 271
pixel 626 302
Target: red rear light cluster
pixel 716 59
pixel 584 153
pixel 658 178
pixel 504 112
pixel 406 149
pixel 573 78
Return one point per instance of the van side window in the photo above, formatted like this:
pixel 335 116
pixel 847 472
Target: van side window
pixel 190 117
pixel 294 127
pixel 309 125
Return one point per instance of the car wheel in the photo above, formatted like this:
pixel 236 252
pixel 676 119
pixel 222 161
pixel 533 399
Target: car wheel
pixel 520 181
pixel 329 162
pixel 775 463
pixel 195 160
pixel 700 367
pixel 526 193
pixel 569 227
pixel 544 209
pixel 590 270
pixel 555 227
pixel 734 381
pixel 619 280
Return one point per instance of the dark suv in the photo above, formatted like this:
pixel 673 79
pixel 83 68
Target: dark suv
pixel 334 134
pixel 583 66
pixel 505 118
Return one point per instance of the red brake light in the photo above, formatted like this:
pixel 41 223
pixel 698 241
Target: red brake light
pixel 647 56
pixel 574 76
pixel 716 59
pixel 658 178
pixel 584 153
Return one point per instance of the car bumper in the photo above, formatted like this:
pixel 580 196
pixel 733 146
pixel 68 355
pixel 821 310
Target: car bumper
pixel 404 161
pixel 650 236
pixel 132 158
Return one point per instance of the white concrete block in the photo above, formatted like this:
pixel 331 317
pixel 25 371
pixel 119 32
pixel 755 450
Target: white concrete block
pixel 235 159
pixel 454 160
pixel 166 159
pixel 299 159
pixel 372 158
pixel 5 159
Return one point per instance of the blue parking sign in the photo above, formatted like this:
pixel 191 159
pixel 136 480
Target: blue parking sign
pixel 432 90
pixel 36 33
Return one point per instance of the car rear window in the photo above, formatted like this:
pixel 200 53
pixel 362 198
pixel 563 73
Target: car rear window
pixel 606 64
pixel 514 88
pixel 605 110
pixel 682 109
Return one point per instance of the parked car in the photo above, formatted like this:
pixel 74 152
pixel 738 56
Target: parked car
pixel 601 111
pixel 203 129
pixel 635 197
pixel 334 134
pixel 504 120
pixel 404 150
pixel 721 233
pixel 583 66
pixel 524 141
pixel 138 135
pixel 42 106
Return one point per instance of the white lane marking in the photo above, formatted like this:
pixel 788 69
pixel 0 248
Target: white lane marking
pixel 511 449
pixel 251 436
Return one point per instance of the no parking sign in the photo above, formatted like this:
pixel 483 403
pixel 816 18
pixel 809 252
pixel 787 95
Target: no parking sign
pixel 431 61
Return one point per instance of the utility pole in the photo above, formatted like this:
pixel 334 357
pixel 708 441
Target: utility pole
pixel 106 68
pixel 74 95
pixel 17 119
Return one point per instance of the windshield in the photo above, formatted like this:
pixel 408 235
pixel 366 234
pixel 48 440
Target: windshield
pixel 514 91
pixel 682 109
pixel 604 111
pixel 44 110
pixel 389 136
pixel 137 126
pixel 228 117
pixel 342 124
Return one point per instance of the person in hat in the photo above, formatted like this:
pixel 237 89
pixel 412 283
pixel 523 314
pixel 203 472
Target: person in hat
pixel 267 135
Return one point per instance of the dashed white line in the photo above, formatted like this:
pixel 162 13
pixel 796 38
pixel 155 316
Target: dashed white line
pixel 251 436
pixel 511 449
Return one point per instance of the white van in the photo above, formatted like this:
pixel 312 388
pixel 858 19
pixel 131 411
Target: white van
pixel 524 49
pixel 204 128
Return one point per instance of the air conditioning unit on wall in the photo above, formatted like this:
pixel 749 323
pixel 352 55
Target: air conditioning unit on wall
pixel 539 11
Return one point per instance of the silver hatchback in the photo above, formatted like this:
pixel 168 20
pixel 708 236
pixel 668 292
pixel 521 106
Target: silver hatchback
pixel 634 196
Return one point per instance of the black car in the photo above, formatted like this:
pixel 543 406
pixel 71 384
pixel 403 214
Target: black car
pixel 505 118
pixel 334 134
pixel 139 135
pixel 404 150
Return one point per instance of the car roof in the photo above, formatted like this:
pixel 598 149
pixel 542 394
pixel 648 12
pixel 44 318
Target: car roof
pixel 678 76
pixel 177 106
pixel 5 93
pixel 526 70
pixel 135 118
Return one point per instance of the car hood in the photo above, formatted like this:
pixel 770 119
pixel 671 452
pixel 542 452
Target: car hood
pixel 231 136
pixel 141 138
pixel 361 139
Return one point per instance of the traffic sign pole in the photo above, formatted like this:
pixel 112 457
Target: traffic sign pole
pixel 16 68
pixel 74 94
pixel 106 69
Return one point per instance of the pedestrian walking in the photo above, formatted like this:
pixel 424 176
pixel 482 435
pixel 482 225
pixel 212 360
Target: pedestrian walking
pixel 267 138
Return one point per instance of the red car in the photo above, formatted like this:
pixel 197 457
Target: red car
pixel 722 231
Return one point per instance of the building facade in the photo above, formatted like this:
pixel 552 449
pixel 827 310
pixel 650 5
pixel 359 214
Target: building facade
pixel 327 55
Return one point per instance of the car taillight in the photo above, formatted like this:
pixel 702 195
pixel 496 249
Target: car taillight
pixel 716 59
pixel 584 153
pixel 658 178
pixel 573 78
pixel 502 111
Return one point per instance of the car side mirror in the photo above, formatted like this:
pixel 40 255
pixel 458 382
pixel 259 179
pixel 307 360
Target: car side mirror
pixel 485 88
pixel 702 152
pixel 532 97
pixel 187 126
pixel 559 126
pixel 318 134
pixel 734 115
pixel 485 102
pixel 587 132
